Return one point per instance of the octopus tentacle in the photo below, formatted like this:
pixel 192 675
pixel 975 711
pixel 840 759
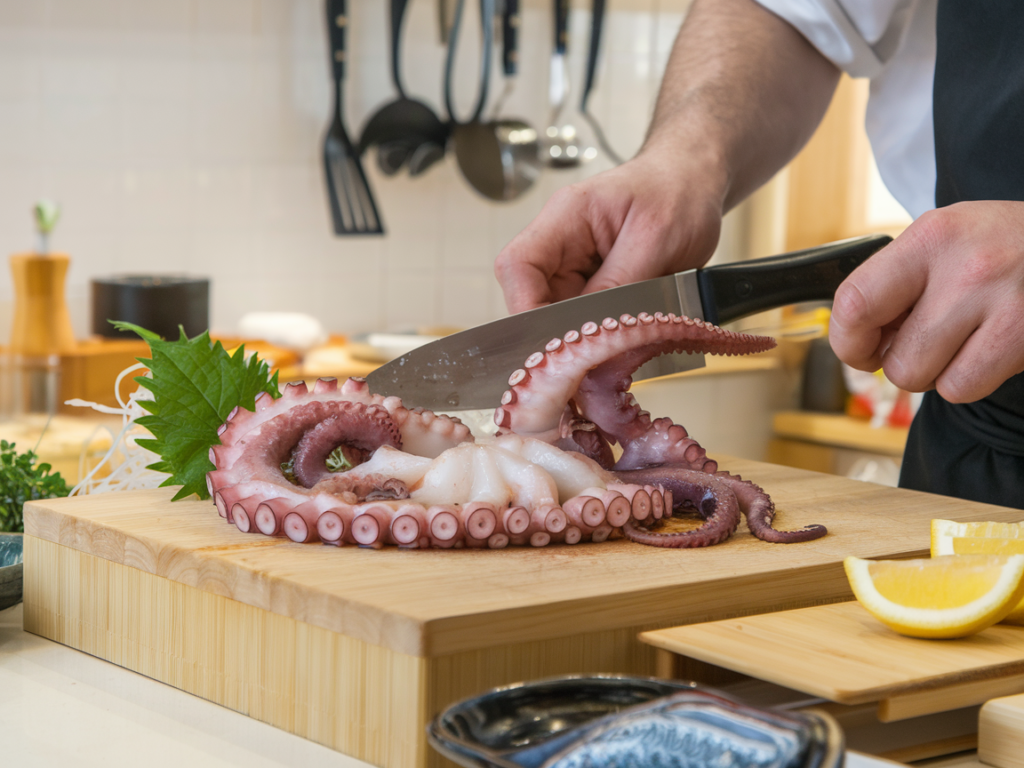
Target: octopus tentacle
pixel 360 430
pixel 423 433
pixel 712 497
pixel 599 359
pixel 665 442
pixel 759 510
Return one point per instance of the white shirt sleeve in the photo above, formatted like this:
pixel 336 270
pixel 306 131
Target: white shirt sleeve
pixel 858 36
pixel 892 42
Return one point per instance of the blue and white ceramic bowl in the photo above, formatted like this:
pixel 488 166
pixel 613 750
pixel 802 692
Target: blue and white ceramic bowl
pixel 610 720
pixel 11 548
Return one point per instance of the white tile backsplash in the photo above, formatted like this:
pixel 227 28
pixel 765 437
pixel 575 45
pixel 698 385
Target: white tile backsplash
pixel 185 135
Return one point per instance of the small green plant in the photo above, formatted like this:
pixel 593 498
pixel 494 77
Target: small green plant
pixel 46 213
pixel 21 480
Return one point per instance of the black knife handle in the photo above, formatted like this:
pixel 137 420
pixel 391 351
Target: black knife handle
pixel 337 24
pixel 561 8
pixel 731 291
pixel 510 37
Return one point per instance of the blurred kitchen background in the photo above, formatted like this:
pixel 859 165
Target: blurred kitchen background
pixel 186 136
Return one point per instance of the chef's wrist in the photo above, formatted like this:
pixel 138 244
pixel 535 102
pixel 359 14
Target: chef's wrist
pixel 693 168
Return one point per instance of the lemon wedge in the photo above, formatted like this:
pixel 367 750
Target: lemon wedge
pixel 967 545
pixel 944 531
pixel 973 546
pixel 947 596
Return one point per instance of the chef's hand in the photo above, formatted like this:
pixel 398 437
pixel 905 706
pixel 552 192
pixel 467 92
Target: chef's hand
pixel 942 306
pixel 742 92
pixel 649 217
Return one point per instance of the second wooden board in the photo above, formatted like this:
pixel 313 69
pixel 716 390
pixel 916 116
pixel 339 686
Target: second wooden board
pixel 842 653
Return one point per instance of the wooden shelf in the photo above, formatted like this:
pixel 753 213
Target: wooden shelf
pixel 62 441
pixel 840 431
pixel 902 698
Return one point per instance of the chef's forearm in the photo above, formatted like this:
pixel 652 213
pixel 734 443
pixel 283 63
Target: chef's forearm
pixel 743 91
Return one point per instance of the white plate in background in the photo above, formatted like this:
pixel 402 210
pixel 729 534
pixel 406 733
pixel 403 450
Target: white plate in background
pixel 384 347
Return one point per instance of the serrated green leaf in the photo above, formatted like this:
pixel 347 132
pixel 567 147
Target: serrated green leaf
pixel 195 385
pixel 123 325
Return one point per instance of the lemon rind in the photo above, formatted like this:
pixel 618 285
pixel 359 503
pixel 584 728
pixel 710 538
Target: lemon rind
pixel 942 540
pixel 934 618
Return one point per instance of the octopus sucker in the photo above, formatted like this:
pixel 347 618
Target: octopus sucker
pixel 415 479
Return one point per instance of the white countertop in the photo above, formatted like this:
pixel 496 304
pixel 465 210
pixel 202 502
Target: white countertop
pixel 60 707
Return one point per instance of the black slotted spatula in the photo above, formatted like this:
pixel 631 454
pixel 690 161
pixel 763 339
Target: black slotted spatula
pixel 353 209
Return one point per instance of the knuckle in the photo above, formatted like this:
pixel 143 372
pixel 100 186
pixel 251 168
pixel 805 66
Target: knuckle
pixel 982 266
pixel 850 305
pixel 934 226
pixel 504 260
pixel 572 196
pixel 946 231
pixel 954 387
pixel 901 376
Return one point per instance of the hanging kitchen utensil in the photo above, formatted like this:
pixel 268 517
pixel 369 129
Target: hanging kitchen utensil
pixel 473 146
pixel 513 146
pixel 510 37
pixel 509 51
pixel 562 148
pixel 353 209
pixel 499 158
pixel 445 13
pixel 403 128
pixel 596 25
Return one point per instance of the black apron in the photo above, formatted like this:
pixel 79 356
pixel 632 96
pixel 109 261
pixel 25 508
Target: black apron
pixel 975 450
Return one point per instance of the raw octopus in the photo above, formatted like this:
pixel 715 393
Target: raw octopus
pixel 417 479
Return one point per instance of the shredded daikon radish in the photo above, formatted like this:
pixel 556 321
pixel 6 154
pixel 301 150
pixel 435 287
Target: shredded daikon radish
pixel 126 459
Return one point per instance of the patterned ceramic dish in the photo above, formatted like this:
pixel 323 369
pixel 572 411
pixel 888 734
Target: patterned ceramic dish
pixel 10 569
pixel 577 722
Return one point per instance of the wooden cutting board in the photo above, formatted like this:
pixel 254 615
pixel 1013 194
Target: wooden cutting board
pixel 842 653
pixel 358 648
pixel 1001 732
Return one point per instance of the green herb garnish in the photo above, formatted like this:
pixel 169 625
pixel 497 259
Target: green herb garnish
pixel 195 385
pixel 21 480
pixel 336 462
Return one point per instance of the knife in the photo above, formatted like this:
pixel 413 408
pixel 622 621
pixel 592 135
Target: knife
pixel 470 370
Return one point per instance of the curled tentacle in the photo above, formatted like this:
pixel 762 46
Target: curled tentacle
pixel 665 443
pixel 594 367
pixel 712 498
pixel 357 429
pixel 760 513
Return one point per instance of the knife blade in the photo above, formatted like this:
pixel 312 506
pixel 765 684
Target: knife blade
pixel 470 369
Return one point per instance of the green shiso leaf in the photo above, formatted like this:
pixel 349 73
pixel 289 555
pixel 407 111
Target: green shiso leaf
pixel 195 385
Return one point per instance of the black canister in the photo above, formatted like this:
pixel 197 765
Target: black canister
pixel 159 303
pixel 824 388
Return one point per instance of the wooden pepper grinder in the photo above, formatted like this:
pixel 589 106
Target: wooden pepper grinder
pixel 42 324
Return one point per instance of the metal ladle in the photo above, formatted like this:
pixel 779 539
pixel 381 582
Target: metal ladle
pixel 562 148
pixel 404 130
pixel 499 158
